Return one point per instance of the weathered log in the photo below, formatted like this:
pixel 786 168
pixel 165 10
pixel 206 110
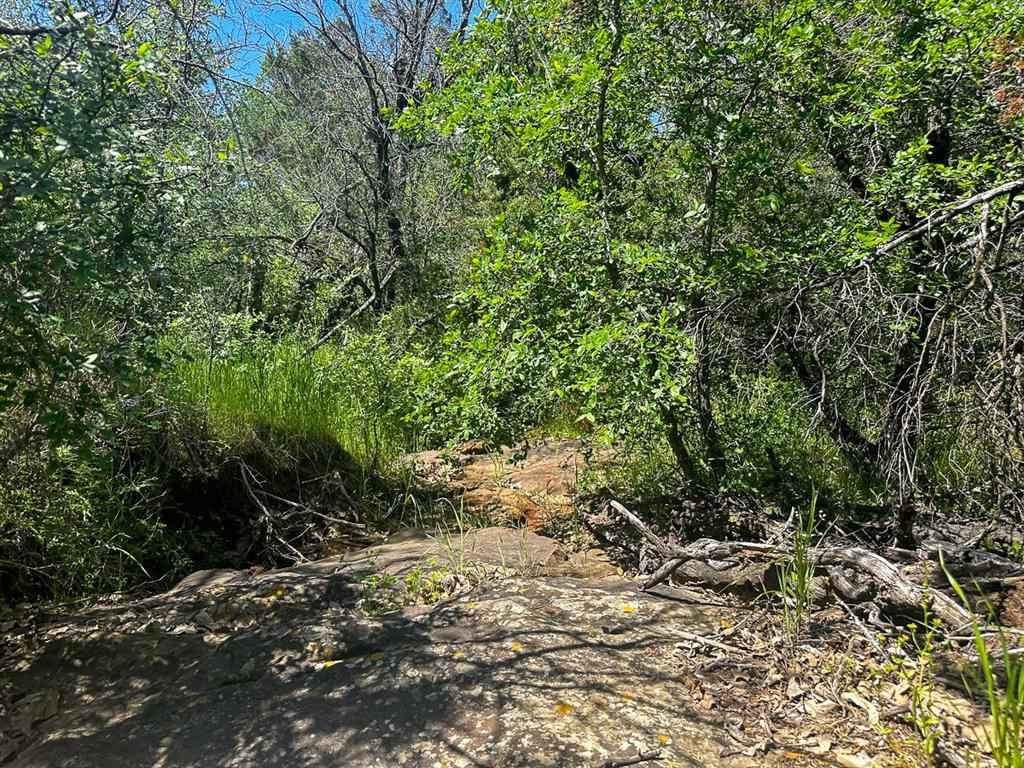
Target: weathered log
pixel 896 590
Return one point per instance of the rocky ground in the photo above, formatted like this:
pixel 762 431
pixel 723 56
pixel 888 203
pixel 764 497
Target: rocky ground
pixel 531 485
pixel 311 666
pixel 488 647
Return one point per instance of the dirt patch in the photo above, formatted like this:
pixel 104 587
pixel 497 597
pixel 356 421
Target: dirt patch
pixel 233 668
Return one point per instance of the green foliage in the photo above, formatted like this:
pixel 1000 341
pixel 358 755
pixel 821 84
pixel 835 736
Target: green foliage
pixel 666 226
pixel 274 398
pixel 685 203
pixel 796 572
pixel 1000 676
pixel 83 215
pixel 914 665
pixel 426 584
pixel 89 203
pixel 70 527
pixel 379 595
pixel 429 583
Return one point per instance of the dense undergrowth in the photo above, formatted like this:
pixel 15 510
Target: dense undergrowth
pixel 757 249
pixel 164 492
pixel 280 399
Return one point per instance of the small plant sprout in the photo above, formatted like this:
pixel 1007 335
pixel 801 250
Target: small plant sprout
pixel 913 662
pixel 796 572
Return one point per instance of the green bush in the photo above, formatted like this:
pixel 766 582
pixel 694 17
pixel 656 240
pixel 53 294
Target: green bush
pixel 71 526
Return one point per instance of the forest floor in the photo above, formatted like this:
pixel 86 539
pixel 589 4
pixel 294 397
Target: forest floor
pixel 489 646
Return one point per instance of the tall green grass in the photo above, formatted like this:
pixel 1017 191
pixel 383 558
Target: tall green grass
pixel 796 572
pixel 270 396
pixel 1000 677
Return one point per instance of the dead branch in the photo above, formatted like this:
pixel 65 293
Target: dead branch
pixel 707 641
pixel 6 28
pixel 936 218
pixel 641 757
pixel 898 592
pixel 663 548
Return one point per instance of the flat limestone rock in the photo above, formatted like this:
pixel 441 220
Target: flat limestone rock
pixel 282 669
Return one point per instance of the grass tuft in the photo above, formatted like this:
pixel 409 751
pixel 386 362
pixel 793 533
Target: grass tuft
pixel 270 398
pixel 1004 692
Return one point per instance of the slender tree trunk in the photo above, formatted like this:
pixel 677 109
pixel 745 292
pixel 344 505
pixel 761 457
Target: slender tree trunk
pixel 257 285
pixel 702 347
pixel 702 389
pixel 903 429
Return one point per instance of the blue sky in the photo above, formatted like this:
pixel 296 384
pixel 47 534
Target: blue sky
pixel 261 22
pixel 256 26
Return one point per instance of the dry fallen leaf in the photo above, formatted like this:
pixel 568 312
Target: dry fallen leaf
pixel 794 690
pixel 823 747
pixel 562 708
pixel 757 750
pixel 855 698
pixel 817 708
pixel 849 760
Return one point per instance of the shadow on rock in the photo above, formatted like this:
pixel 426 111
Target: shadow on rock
pixel 282 669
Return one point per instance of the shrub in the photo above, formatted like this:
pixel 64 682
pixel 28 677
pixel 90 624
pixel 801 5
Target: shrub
pixel 71 526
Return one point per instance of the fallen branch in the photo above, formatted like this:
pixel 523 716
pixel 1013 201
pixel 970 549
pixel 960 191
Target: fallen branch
pixel 701 640
pixel 896 587
pixel 898 592
pixel 641 757
pixel 663 548
pixel 267 516
pixel 860 625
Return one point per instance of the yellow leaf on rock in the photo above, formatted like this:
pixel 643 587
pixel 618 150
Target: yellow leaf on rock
pixel 663 739
pixel 629 608
pixel 331 663
pixel 458 655
pixel 517 647
pixel 562 708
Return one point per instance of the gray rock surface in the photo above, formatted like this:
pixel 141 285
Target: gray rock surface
pixel 285 668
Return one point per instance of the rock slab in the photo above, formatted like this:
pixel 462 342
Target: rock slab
pixel 284 669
